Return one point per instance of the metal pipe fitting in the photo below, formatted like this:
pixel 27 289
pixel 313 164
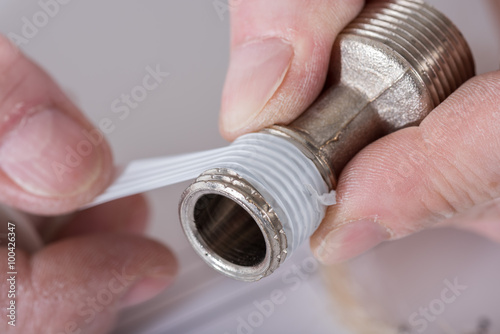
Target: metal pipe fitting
pixel 394 63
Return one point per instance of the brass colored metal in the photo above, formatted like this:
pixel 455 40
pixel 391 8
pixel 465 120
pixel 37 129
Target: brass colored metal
pixel 396 62
pixel 393 64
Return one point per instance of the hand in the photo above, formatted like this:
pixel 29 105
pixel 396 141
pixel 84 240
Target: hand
pixel 51 162
pixel 444 172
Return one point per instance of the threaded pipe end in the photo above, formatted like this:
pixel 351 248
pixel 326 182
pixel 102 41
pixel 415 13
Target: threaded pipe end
pixel 257 204
pixel 429 41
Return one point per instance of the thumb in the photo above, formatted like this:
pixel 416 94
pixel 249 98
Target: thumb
pixel 421 176
pixel 280 51
pixel 51 158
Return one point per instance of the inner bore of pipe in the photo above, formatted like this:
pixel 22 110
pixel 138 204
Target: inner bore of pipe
pixel 229 231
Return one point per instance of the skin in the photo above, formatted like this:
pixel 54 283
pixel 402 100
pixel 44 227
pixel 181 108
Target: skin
pixel 82 263
pixel 445 172
pixel 280 53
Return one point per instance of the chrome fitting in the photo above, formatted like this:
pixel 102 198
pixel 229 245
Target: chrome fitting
pixel 393 64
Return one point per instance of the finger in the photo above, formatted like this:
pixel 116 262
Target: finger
pixel 51 158
pixel 280 52
pixel 78 285
pixel 419 176
pixel 129 214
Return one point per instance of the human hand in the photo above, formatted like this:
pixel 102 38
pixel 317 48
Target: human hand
pixel 52 161
pixel 443 172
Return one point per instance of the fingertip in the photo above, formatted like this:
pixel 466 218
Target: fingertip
pixel 52 160
pixel 279 60
pixel 257 70
pixel 155 281
pixel 144 290
pixel 348 240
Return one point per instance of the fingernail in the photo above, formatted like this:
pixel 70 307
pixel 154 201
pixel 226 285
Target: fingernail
pixel 256 71
pixel 49 154
pixel 350 240
pixel 144 290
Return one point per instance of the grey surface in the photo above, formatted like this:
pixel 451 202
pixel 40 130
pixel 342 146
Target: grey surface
pixel 98 50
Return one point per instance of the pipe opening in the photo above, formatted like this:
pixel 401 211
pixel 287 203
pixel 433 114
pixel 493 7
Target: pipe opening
pixel 229 230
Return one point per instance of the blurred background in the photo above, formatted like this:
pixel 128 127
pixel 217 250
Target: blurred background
pixel 99 50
